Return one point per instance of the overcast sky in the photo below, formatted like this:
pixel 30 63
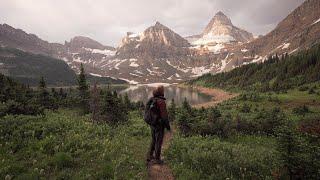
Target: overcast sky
pixel 107 21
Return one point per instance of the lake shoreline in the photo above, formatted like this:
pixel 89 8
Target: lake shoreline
pixel 218 95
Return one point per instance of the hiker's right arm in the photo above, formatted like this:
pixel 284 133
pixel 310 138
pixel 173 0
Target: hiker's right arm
pixel 163 113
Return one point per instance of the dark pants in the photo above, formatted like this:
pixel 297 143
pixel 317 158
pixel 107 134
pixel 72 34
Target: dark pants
pixel 156 143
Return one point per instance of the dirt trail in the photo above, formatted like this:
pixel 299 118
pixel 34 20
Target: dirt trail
pixel 163 172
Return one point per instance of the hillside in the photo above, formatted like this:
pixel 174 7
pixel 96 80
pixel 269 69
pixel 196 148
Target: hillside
pixel 299 31
pixel 274 74
pixel 28 68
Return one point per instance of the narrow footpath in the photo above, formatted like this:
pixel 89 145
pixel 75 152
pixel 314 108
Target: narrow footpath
pixel 162 172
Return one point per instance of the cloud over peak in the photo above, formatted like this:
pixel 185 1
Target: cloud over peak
pixel 107 21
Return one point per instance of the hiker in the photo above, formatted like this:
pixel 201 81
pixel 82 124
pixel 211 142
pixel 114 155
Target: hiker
pixel 157 117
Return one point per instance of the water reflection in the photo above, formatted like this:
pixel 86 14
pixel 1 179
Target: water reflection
pixel 142 93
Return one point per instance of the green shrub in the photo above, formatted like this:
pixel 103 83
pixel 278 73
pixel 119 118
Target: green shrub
pixel 209 158
pixel 303 88
pixel 64 145
pixel 300 153
pixel 245 108
pixel 311 91
pixel 263 122
pixel 184 121
pixel 252 96
pixel 62 160
pixel 301 110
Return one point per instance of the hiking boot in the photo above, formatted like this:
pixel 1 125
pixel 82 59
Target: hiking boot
pixel 150 158
pixel 157 161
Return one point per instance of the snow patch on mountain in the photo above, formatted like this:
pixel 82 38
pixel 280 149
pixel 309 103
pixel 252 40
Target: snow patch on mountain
pixel 224 64
pixel 99 51
pixel 199 71
pixel 130 81
pixel 97 75
pixel 244 50
pixel 133 64
pixel 133 35
pixel 139 72
pixel 170 78
pixel 212 48
pixel 293 51
pixel 135 75
pixel 286 46
pixel 211 38
pixel 65 59
pixel 78 59
pixel 317 21
pixel 177 67
pixel 216 49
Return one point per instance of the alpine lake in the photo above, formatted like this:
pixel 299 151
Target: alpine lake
pixel 143 92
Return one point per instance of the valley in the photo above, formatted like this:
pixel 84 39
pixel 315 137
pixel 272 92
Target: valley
pixel 240 106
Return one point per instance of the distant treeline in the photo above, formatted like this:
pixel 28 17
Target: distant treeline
pixel 275 74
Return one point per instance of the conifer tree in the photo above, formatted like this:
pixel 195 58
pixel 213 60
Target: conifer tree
pixel 95 103
pixel 61 93
pixel 127 101
pixel 54 94
pixel 184 118
pixel 288 148
pixel 186 105
pixel 113 111
pixel 43 94
pixel 184 121
pixel 172 111
pixel 83 91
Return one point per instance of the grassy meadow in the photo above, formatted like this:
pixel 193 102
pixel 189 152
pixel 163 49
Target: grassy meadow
pixel 65 145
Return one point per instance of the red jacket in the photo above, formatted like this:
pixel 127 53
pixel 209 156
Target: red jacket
pixel 161 104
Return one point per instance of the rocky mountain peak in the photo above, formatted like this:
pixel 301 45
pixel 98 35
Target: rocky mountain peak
pixel 220 30
pixel 157 41
pixel 221 19
pixel 158 27
pixel 162 34
pixel 218 24
pixel 85 42
pixel 158 24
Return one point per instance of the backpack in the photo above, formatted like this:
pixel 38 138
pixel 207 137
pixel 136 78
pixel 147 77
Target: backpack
pixel 152 113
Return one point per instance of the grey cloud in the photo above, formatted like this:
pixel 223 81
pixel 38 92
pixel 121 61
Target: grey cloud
pixel 108 20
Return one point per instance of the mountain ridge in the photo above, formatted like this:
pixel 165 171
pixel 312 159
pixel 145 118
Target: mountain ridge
pixel 159 54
